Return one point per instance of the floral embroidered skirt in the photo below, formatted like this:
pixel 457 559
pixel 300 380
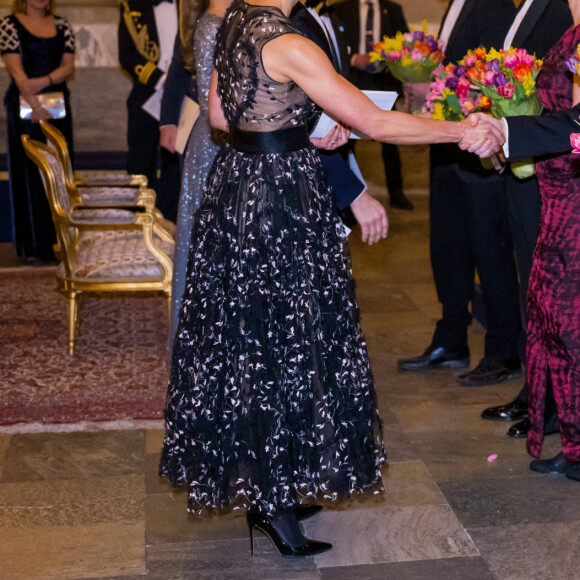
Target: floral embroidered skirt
pixel 271 397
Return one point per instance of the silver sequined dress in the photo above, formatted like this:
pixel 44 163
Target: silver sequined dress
pixel 199 156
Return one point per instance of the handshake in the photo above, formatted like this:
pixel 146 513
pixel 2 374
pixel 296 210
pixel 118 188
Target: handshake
pixel 482 135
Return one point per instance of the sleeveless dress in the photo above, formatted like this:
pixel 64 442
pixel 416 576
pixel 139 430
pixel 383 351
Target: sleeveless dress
pixel 271 397
pixel 198 158
pixel 34 233
pixel 554 294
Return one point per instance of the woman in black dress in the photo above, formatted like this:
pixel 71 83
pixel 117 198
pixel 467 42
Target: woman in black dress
pixel 271 397
pixel 37 48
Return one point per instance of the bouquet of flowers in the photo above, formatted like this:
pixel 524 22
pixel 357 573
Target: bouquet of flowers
pixel 452 96
pixel 574 62
pixel 508 79
pixel 411 57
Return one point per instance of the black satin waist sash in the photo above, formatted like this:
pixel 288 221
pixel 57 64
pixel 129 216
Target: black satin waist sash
pixel 280 141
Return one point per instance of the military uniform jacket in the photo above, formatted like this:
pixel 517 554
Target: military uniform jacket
pixel 139 47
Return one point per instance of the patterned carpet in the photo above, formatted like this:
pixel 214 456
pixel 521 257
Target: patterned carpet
pixel 118 370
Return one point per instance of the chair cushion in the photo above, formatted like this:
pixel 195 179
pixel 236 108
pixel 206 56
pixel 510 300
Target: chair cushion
pixel 99 196
pixel 123 258
pixel 99 177
pixel 102 216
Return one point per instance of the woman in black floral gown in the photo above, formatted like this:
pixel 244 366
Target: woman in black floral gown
pixel 271 397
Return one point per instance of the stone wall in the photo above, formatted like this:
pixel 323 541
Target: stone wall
pixel 99 89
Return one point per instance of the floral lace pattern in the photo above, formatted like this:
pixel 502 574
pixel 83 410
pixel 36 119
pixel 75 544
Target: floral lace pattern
pixel 271 397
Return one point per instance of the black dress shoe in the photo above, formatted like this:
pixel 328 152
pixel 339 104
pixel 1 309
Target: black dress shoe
pixel 513 411
pixel 399 200
pixel 558 464
pixel 491 371
pixel 573 472
pixel 435 357
pixel 519 430
pixel 305 511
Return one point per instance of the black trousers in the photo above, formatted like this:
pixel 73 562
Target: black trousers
pixel 469 232
pixel 146 157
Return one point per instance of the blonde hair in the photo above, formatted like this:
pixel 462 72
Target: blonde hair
pixel 20 6
pixel 191 11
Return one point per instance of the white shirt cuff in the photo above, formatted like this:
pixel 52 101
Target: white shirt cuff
pixel 506 145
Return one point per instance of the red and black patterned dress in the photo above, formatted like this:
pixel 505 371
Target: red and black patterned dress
pixel 554 294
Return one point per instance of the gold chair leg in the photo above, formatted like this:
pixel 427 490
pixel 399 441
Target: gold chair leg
pixel 73 309
pixel 168 298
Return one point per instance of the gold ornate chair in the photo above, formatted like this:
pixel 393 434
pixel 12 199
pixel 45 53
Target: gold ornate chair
pixel 96 256
pixel 130 197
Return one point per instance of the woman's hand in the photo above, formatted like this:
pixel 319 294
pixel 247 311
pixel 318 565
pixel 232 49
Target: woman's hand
pixel 40 114
pixel 336 137
pixel 33 86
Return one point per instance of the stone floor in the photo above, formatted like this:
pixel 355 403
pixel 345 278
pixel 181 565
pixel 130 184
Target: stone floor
pixel 89 504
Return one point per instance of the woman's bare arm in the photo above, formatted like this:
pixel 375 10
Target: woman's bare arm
pixel 216 114
pixel 292 57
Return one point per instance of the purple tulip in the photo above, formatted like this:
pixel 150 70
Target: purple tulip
pixel 459 71
pixel 451 83
pixel 499 79
pixel 418 36
pixel 493 65
pixel 433 44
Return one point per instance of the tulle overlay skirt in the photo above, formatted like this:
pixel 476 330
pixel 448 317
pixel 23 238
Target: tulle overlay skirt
pixel 271 397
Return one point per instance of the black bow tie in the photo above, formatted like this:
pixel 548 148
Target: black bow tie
pixel 157 2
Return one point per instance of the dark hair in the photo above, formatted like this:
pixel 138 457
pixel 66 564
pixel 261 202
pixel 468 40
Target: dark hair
pixel 191 12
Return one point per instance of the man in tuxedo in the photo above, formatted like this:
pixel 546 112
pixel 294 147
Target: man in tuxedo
pixel 536 27
pixel 313 20
pixel 147 31
pixel 366 22
pixel 469 231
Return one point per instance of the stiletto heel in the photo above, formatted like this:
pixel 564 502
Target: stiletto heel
pixel 263 523
pixel 251 537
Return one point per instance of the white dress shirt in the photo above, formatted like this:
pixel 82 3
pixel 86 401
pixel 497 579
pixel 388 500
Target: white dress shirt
pixel 451 20
pixel 516 24
pixel 166 19
pixel 363 6
pixel 326 24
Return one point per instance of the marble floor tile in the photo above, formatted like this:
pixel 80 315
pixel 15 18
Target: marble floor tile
pixel 470 458
pixel 529 499
pixel 168 521
pixel 35 457
pixel 227 560
pixel 154 441
pixel 4 444
pixel 435 417
pixel 389 535
pixel 533 552
pixel 153 482
pixel 72 502
pixel 72 552
pixel 397 443
pixel 473 568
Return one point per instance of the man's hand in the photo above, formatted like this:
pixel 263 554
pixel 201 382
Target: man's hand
pixel 415 96
pixel 336 137
pixel 371 216
pixel 168 137
pixel 484 135
pixel 361 61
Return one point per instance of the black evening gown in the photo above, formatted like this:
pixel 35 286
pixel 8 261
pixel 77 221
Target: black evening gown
pixel 34 233
pixel 271 397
